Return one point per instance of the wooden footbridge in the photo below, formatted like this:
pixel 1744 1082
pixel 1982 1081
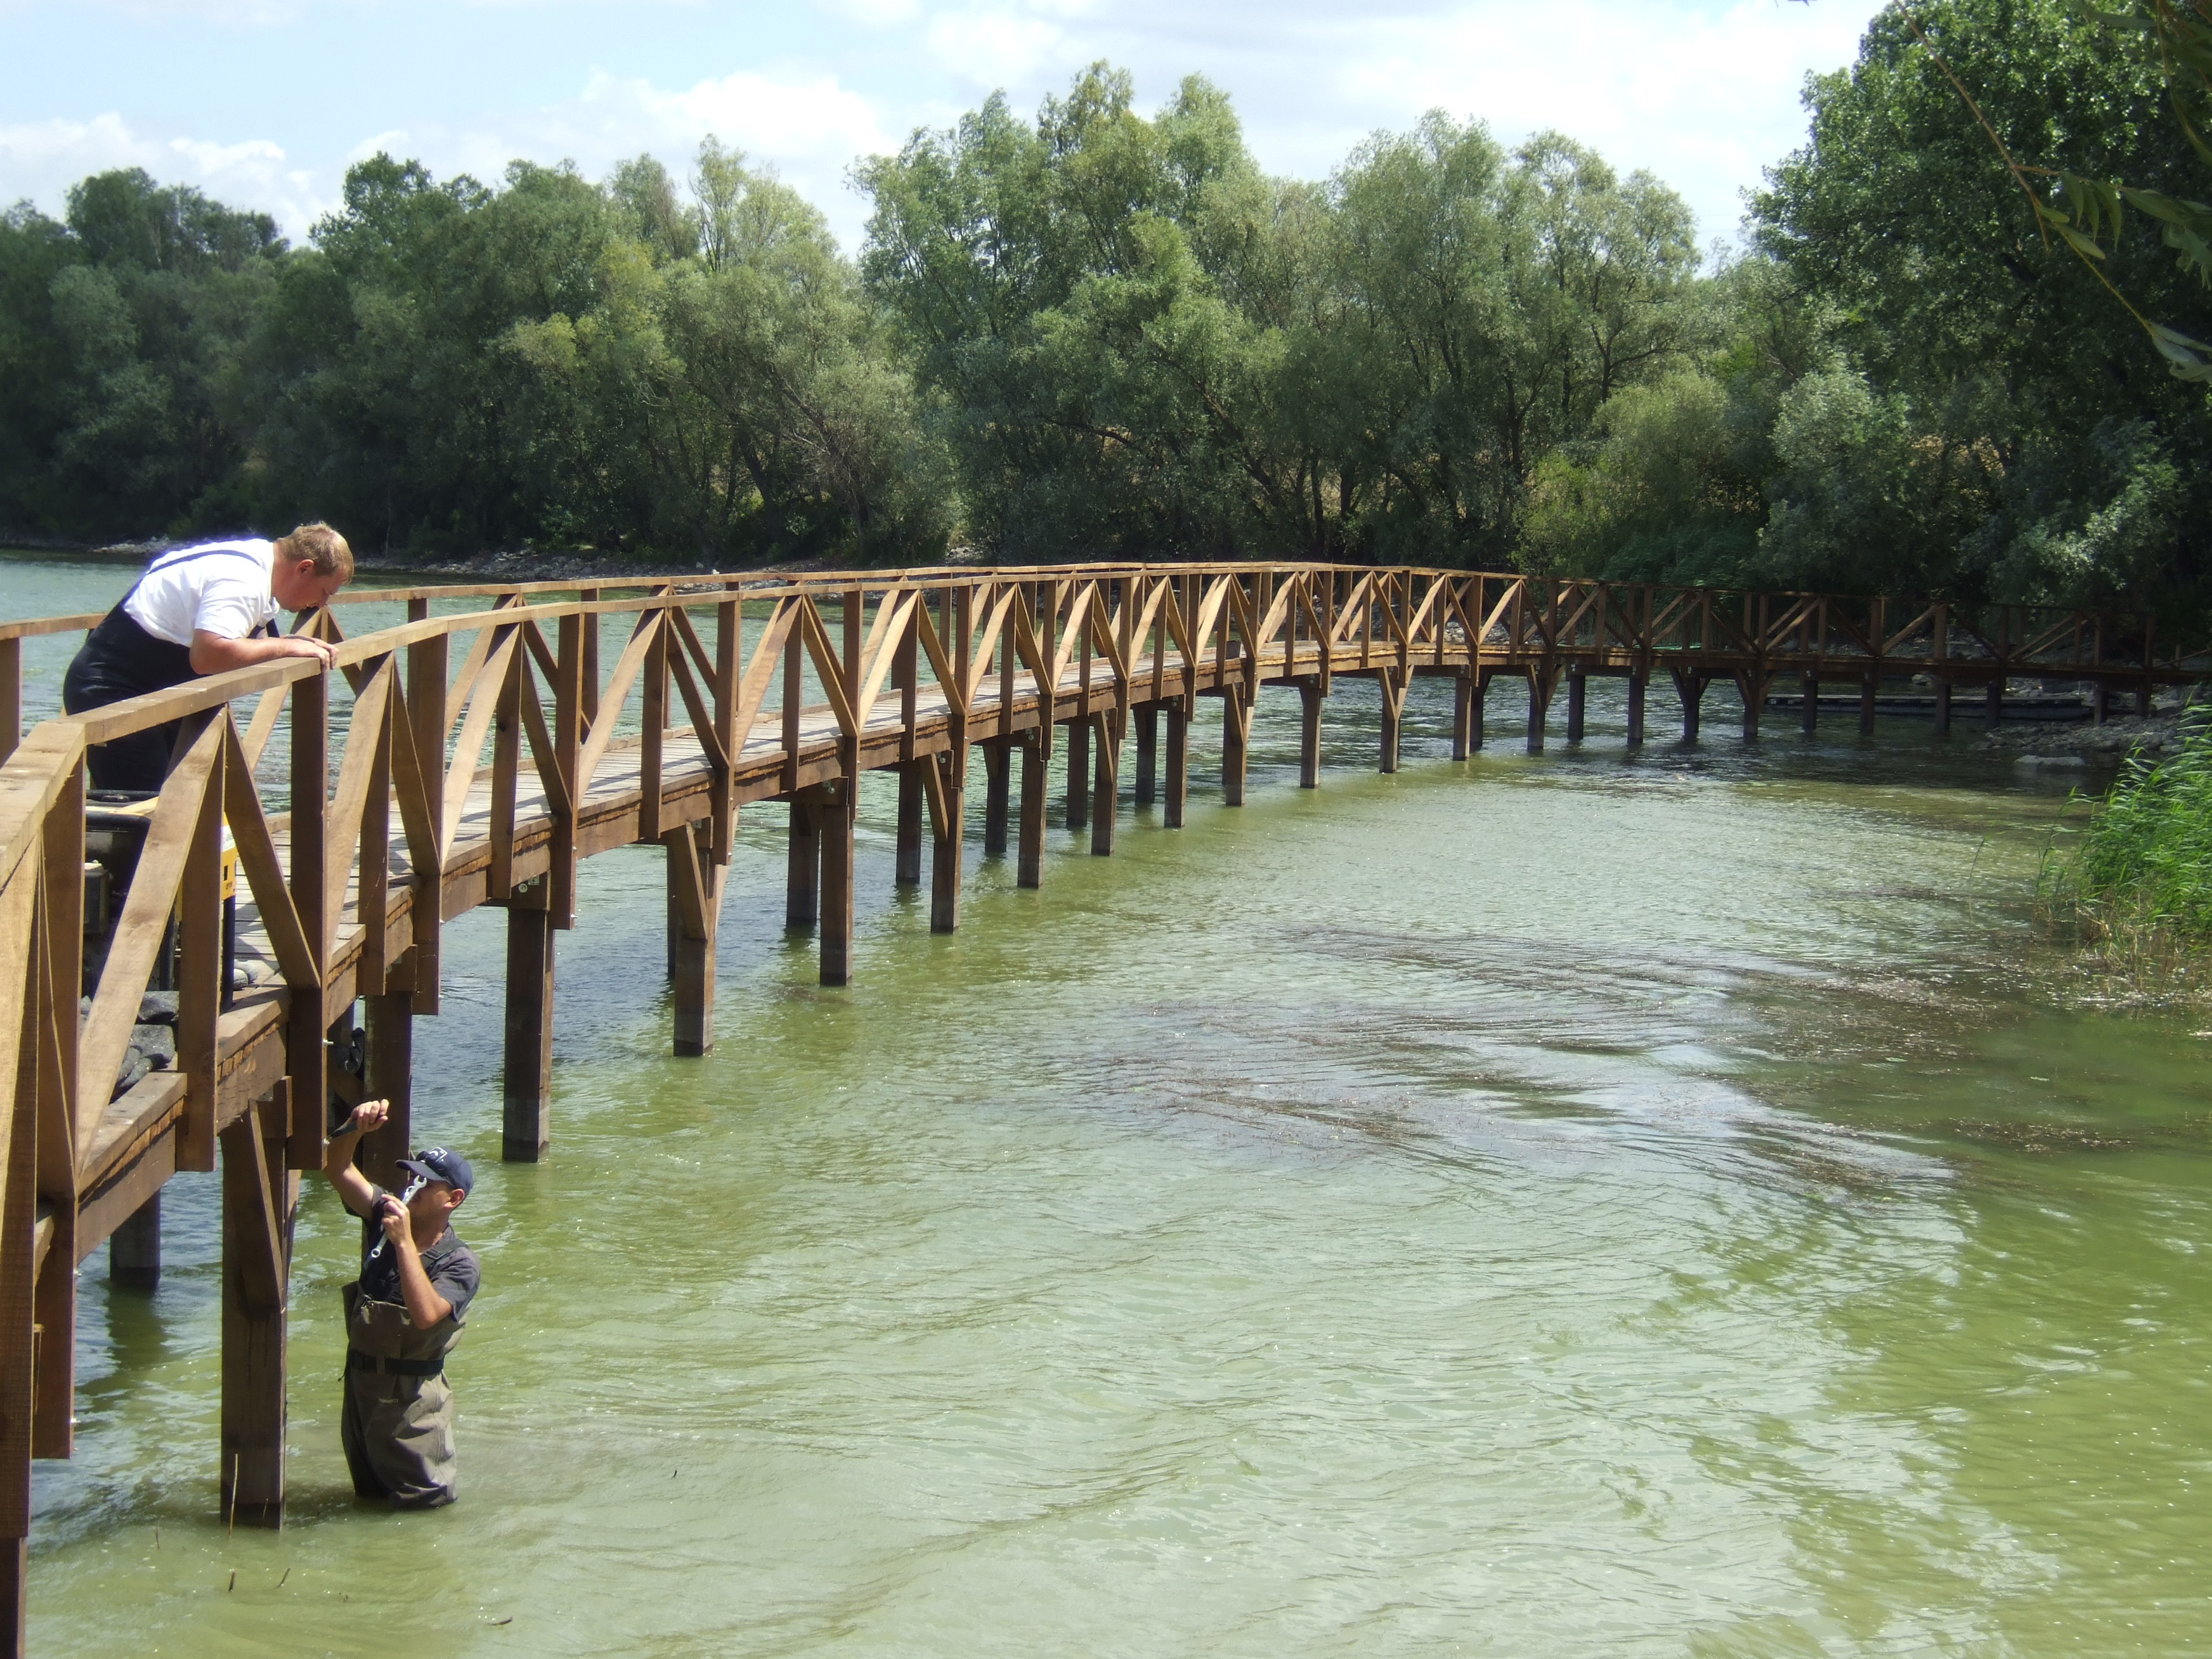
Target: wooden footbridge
pixel 478 753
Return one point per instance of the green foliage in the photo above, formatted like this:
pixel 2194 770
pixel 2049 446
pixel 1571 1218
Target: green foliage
pixel 1973 446
pixel 452 367
pixel 2143 872
pixel 1141 345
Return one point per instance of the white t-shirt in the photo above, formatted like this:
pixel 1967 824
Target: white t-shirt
pixel 221 587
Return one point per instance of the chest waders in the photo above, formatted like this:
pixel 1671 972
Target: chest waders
pixel 397 1423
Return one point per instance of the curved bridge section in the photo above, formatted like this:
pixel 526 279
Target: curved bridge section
pixel 315 835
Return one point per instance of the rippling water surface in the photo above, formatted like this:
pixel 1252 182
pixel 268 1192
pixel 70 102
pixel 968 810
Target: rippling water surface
pixel 1558 1207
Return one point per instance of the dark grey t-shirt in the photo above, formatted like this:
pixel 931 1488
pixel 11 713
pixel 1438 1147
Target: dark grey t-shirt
pixel 451 1265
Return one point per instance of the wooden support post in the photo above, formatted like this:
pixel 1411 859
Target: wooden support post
pixel 134 1250
pixel 1577 706
pixel 1463 716
pixel 388 1024
pixel 426 666
pixel 1178 765
pixel 1148 753
pixel 997 760
pixel 1808 713
pixel 1236 742
pixel 908 869
pixel 1540 699
pixel 1394 709
pixel 2100 702
pixel 1995 702
pixel 1689 687
pixel 11 696
pixel 1750 686
pixel 946 848
pixel 2143 698
pixel 527 1084
pixel 803 864
pixel 1869 691
pixel 260 1197
pixel 1309 698
pixel 1105 783
pixel 1942 706
pixel 695 883
pixel 1031 871
pixel 834 816
pixel 1476 708
pixel 1639 684
pixel 1079 774
pixel 306 1047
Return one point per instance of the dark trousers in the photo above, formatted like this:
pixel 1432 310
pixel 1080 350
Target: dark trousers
pixel 120 660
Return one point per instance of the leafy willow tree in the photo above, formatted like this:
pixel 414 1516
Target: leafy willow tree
pixel 2005 439
pixel 1141 343
pixel 122 331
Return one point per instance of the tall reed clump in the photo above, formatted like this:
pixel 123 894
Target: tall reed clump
pixel 2140 882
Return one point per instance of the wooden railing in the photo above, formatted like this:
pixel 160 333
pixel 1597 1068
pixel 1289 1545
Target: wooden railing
pixel 476 756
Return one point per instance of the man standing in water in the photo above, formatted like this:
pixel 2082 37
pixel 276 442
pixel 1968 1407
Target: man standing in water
pixel 403 1316
pixel 198 610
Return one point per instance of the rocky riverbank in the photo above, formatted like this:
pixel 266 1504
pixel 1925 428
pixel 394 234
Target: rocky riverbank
pixel 2153 737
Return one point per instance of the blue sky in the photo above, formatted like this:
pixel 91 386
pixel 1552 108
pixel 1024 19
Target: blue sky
pixel 266 102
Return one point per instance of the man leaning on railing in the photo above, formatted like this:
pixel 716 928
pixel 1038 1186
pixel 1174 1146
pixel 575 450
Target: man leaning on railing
pixel 198 610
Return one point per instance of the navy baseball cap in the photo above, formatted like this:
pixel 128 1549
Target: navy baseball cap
pixel 440 1164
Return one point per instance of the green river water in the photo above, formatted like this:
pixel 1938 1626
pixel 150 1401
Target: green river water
pixel 1575 1206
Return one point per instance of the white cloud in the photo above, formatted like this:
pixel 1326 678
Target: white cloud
pixel 40 160
pixel 1703 93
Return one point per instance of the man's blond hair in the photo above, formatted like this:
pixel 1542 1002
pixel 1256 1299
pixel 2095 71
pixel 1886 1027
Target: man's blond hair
pixel 319 542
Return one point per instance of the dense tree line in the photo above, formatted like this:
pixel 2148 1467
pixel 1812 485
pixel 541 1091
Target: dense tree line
pixel 1101 333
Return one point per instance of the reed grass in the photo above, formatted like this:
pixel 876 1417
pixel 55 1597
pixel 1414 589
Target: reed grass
pixel 2138 883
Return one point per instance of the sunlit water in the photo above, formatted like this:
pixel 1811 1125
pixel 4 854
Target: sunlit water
pixel 1580 1206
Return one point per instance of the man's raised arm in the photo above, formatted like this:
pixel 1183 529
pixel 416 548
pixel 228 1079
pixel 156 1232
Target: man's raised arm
pixel 337 1163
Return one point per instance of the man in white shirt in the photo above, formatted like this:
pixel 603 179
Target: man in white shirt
pixel 198 610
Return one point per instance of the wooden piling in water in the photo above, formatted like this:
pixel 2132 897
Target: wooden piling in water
pixel 1993 703
pixel 1178 766
pixel 1462 716
pixel 1148 753
pixel 1078 812
pixel 260 1198
pixel 1870 694
pixel 906 871
pixel 1689 687
pixel 1310 696
pixel 1942 706
pixel 1639 684
pixel 802 880
pixel 526 1078
pixel 834 820
pixel 1577 706
pixel 1105 784
pixel 948 808
pixel 696 884
pixel 134 1250
pixel 1808 713
pixel 1030 872
pixel 1539 698
pixel 1236 741
pixel 997 762
pixel 1393 688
